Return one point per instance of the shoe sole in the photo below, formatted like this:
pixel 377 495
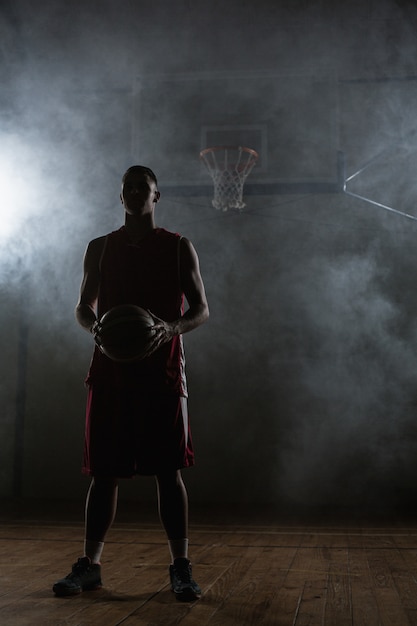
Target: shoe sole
pixel 188 595
pixel 74 592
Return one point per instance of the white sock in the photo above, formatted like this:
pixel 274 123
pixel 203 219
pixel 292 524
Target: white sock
pixel 93 550
pixel 178 548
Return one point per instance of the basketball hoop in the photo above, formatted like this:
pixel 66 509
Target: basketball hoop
pixel 228 166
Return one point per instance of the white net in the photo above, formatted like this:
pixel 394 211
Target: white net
pixel 228 166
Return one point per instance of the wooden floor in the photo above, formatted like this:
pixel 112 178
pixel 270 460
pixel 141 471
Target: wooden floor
pixel 271 573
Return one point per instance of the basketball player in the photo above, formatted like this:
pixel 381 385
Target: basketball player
pixel 136 418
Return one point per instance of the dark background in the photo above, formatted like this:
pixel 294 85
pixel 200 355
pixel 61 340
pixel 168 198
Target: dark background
pixel 303 384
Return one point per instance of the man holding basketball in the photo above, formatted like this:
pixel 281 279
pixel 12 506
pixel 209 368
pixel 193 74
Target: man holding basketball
pixel 136 418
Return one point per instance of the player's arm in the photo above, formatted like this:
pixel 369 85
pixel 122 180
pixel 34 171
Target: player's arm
pixel 193 287
pixel 85 311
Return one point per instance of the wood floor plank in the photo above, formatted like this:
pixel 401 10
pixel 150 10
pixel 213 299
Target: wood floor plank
pixel 365 611
pixel 242 594
pixel 338 608
pixel 321 574
pixel 162 607
pixel 289 583
pixel 269 575
pixel 314 594
pixel 115 604
pixel 312 603
pixel 389 603
pixel 404 579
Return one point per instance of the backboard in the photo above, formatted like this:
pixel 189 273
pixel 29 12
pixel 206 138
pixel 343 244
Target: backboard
pixel 289 120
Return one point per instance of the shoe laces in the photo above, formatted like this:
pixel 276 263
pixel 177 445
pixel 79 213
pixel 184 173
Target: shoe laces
pixel 183 571
pixel 80 567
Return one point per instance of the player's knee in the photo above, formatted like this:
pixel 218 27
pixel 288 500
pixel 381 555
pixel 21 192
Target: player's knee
pixel 169 479
pixel 104 483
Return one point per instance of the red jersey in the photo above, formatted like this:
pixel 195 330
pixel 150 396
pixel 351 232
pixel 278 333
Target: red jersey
pixel 146 274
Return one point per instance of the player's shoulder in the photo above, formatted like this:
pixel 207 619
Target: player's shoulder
pixel 177 241
pixel 97 243
pixel 100 242
pixel 164 233
pixel 185 242
pixel 188 253
pixel 95 250
pixel 171 237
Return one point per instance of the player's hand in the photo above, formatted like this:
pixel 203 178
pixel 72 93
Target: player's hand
pixel 162 332
pixel 95 331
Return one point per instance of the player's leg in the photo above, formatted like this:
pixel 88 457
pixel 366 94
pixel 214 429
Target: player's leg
pixel 173 504
pixel 100 511
pixel 173 512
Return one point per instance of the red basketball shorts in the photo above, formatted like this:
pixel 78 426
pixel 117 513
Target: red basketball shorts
pixel 129 432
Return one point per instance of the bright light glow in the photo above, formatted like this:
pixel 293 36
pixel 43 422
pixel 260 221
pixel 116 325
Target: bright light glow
pixel 20 182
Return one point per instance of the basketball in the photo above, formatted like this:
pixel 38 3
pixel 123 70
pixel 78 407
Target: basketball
pixel 125 333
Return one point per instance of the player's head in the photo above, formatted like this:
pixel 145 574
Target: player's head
pixel 139 191
pixel 139 169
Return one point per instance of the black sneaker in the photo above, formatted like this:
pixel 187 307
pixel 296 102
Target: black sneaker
pixel 182 583
pixel 84 576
